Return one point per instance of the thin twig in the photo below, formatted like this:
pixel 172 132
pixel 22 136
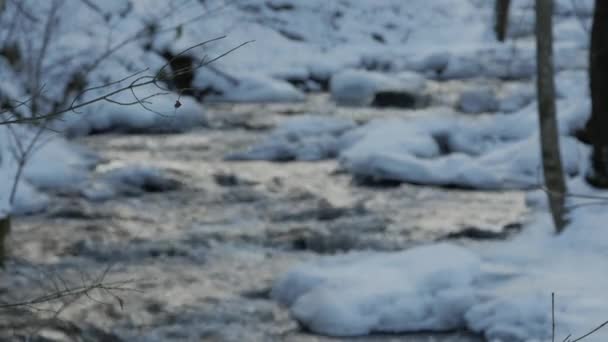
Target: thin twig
pixel 552 316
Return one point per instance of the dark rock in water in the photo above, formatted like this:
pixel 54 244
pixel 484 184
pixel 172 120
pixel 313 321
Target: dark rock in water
pixel 133 180
pixel 230 179
pixel 398 99
pixel 257 293
pixel 475 233
pixel 374 182
pixel 315 240
pixel 378 37
pixel 279 6
pixel 341 235
pixel 296 37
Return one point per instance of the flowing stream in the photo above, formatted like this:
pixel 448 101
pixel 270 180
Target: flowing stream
pixel 203 257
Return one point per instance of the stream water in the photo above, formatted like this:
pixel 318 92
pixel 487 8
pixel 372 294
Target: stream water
pixel 203 257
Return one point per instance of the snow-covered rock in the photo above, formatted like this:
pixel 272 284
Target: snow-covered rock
pixel 516 98
pixel 477 101
pixel 251 88
pixel 501 290
pixel 160 115
pixel 362 88
pixel 53 164
pixel 424 288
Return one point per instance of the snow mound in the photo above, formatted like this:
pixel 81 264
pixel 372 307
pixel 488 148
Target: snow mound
pixel 511 166
pixel 478 101
pixel 486 152
pixel 499 289
pixel 54 165
pixel 424 288
pixel 305 137
pixel 159 116
pixel 248 88
pixel 361 88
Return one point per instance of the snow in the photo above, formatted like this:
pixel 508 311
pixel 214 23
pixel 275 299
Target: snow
pixel 478 101
pixel 53 165
pixel 158 116
pixel 424 288
pixel 255 88
pixel 498 151
pixel 501 290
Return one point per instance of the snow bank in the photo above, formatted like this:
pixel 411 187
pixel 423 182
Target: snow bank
pixel 486 152
pixel 54 165
pixel 251 88
pixel 510 166
pixel 478 101
pixel 501 289
pixel 424 288
pixel 158 116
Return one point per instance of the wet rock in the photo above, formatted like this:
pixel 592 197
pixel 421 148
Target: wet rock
pixel 230 180
pixel 343 234
pixel 475 233
pixel 129 181
pixel 394 99
pixel 257 293
pixel 280 6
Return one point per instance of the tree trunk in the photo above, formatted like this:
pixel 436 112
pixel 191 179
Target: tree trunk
pixel 5 228
pixel 598 81
pixel 549 135
pixel 501 19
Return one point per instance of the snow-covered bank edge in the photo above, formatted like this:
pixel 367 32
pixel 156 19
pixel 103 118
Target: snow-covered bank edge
pixel 499 289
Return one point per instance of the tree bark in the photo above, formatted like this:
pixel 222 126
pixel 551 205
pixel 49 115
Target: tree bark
pixel 549 134
pixel 5 228
pixel 501 19
pixel 598 81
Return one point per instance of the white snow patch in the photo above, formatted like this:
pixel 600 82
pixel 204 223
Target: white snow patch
pixel 501 289
pixel 424 288
pixel 53 165
pixel 478 101
pixel 160 115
